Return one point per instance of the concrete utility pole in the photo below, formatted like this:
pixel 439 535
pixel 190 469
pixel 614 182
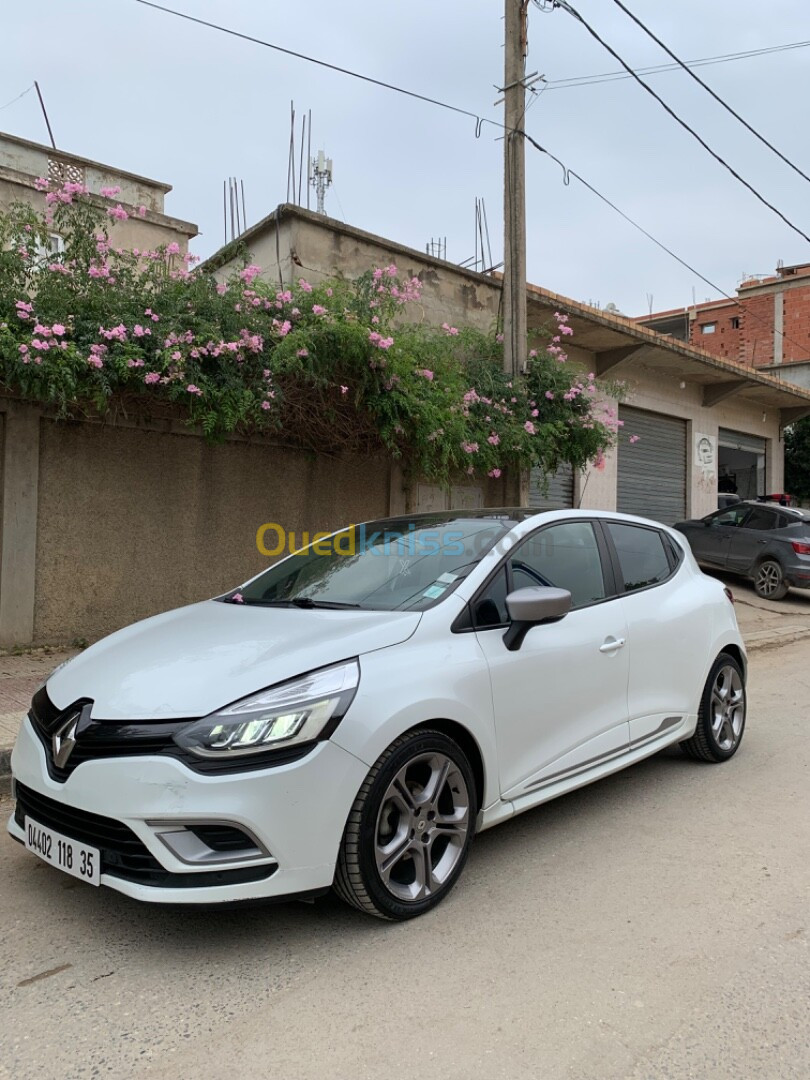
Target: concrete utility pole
pixel 514 185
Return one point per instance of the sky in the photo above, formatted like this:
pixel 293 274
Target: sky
pixel 152 94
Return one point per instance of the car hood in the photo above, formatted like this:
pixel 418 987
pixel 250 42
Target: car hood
pixel 191 661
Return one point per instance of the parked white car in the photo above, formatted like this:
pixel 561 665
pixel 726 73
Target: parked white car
pixel 353 715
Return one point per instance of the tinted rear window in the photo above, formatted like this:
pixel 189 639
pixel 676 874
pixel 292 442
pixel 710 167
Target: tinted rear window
pixel 642 557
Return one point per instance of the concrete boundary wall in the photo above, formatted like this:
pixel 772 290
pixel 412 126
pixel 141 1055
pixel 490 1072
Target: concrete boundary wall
pixel 102 524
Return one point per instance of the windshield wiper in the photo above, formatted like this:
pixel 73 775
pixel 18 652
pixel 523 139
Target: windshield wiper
pixel 296 601
pixel 308 602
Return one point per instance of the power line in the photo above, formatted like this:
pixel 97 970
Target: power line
pixel 314 60
pixel 17 98
pixel 567 173
pixel 573 12
pixel 706 61
pixel 709 90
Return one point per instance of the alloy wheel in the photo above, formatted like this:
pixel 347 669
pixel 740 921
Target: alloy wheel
pixel 727 708
pixel 768 579
pixel 422 826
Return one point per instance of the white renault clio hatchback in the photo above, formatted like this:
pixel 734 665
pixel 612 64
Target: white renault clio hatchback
pixel 351 717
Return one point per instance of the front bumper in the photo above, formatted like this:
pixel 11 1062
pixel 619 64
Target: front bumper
pixel 297 812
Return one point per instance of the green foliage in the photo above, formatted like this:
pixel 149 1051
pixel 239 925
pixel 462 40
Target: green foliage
pixel 334 367
pixel 797 459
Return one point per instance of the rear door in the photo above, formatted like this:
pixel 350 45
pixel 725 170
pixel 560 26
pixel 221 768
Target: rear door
pixel 754 538
pixel 668 633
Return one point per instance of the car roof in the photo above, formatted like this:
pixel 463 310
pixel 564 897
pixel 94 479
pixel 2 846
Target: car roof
pixel 789 511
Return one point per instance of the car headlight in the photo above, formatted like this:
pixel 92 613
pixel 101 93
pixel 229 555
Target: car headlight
pixel 293 712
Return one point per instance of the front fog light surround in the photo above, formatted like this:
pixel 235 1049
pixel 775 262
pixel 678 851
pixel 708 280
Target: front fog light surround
pixel 299 711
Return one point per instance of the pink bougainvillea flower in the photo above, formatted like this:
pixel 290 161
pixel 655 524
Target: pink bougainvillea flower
pixel 141 211
pixel 448 329
pixel 192 389
pixel 470 447
pixel 135 363
pixel 494 439
pixel 426 373
pixel 305 285
pixel 58 329
pixel 634 438
pixel 117 212
pixel 173 248
pixel 23 349
pixel 250 273
pixel 344 390
pixel 302 353
pixel 41 184
pixel 529 426
pixel 266 405
pixel 318 309
pixel 151 377
pixel 110 192
pixel 550 395
pixel 95 361
pixel 494 473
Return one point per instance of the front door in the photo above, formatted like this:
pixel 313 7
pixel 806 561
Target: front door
pixel 560 701
pixel 710 544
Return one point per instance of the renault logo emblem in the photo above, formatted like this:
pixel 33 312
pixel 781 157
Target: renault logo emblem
pixel 64 739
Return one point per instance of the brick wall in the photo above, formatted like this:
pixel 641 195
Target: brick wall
pixel 745 333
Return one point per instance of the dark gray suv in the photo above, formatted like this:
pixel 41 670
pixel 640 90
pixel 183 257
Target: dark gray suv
pixel 768 543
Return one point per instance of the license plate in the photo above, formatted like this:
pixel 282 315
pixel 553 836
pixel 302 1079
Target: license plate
pixel 77 859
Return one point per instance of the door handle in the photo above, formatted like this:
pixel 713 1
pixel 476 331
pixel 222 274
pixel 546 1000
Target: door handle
pixel 762 541
pixel 612 645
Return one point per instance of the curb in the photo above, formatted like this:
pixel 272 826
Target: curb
pixel 758 640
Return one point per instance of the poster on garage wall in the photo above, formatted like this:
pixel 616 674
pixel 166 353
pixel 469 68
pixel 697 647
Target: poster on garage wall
pixel 705 461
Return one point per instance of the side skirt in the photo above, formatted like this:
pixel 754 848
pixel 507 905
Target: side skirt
pixel 504 809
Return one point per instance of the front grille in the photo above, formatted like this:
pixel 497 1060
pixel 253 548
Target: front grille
pixel 98 739
pixel 123 855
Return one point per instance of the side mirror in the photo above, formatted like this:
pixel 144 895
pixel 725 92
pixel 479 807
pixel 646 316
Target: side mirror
pixel 532 606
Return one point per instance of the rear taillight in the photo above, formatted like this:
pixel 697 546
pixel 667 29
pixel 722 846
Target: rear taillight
pixel 799 548
pixel 729 594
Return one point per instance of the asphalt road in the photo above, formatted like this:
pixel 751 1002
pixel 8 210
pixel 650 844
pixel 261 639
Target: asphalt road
pixel 652 926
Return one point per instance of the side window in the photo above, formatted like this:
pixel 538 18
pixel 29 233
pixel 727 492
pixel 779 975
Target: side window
pixel 733 517
pixel 490 607
pixel 761 519
pixel 642 557
pixel 565 556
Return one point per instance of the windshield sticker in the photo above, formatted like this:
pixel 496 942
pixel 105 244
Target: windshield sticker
pixel 434 592
pixel 446 579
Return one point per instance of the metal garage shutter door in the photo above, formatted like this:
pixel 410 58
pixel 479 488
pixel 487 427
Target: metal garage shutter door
pixel 560 494
pixel 738 440
pixel 652 471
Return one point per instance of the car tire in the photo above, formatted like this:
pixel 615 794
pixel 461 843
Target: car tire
pixel 721 716
pixel 409 831
pixel 769 580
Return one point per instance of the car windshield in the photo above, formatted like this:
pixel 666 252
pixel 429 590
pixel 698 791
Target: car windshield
pixel 405 564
